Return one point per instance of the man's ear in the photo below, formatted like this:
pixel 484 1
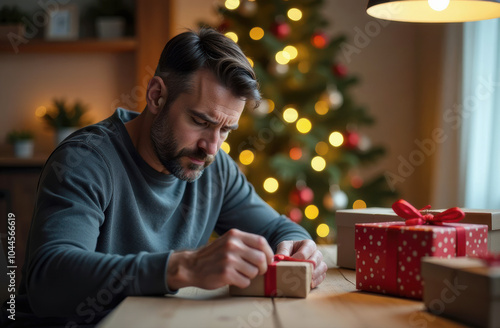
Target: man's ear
pixel 156 95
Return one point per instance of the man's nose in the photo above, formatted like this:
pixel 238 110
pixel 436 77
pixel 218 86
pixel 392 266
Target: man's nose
pixel 210 142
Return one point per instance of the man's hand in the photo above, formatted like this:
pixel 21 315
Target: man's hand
pixel 233 259
pixel 305 250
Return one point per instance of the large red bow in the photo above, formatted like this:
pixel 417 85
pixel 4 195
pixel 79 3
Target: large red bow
pixel 413 216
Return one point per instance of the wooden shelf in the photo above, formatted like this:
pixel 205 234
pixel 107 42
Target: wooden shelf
pixel 80 46
pixel 37 161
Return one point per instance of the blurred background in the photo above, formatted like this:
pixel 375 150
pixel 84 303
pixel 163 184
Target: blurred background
pixel 357 111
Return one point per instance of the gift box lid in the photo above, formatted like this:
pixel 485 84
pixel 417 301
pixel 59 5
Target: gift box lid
pixel 479 216
pixel 348 218
pixel 469 270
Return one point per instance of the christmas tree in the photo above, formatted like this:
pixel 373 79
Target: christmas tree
pixel 302 148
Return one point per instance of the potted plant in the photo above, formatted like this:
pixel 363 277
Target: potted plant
pixel 11 22
pixel 111 18
pixel 23 143
pixel 65 119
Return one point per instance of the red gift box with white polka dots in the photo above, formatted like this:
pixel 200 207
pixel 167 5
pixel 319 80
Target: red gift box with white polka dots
pixel 388 254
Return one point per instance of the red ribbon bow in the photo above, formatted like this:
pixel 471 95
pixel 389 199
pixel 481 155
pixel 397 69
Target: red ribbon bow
pixel 413 216
pixel 270 277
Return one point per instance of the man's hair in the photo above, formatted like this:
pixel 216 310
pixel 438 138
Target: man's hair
pixel 189 52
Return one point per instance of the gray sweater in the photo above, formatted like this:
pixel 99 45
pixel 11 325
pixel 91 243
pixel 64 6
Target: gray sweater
pixel 105 222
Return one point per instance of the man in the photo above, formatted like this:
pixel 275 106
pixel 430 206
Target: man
pixel 126 206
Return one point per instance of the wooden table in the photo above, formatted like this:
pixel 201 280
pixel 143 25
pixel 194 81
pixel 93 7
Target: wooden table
pixel 335 303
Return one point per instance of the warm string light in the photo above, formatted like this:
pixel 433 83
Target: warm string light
pixel 290 115
pixel 271 185
pixel 294 14
pixel 322 230
pixel 321 107
pixel 304 125
pixel 232 4
pixel 282 57
pixel 336 139
pixel 246 157
pixel 359 204
pixel 321 148
pixel 311 212
pixel 318 163
pixel 225 147
pixel 250 61
pixel 256 33
pixel 232 36
pixel 291 51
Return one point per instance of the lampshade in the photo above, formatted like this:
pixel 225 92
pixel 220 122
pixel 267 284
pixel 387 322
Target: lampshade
pixel 420 11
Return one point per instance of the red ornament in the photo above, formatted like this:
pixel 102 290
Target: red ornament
pixel 339 70
pixel 295 215
pixel 301 196
pixel 319 40
pixel 281 30
pixel 351 139
pixel 224 26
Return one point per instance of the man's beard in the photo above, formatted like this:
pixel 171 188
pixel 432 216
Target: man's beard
pixel 166 149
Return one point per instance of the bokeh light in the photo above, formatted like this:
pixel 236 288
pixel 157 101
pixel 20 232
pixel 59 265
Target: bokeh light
pixel 290 115
pixel 358 204
pixel 336 139
pixel 318 163
pixel 225 147
pixel 304 125
pixel 232 36
pixel 322 230
pixel 232 4
pixel 321 148
pixel 246 157
pixel 311 212
pixel 294 14
pixel 256 33
pixel 271 185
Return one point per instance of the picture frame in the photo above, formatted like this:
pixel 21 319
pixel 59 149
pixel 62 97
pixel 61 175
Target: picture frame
pixel 63 24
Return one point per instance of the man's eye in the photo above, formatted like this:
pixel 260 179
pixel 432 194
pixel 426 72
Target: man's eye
pixel 200 123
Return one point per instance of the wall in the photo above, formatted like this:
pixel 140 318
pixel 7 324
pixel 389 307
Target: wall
pixel 28 81
pixel 386 60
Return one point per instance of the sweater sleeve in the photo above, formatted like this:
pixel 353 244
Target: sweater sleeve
pixel 64 273
pixel 244 209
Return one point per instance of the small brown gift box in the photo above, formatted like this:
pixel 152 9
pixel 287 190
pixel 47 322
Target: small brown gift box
pixel 293 279
pixel 463 288
pixel 346 219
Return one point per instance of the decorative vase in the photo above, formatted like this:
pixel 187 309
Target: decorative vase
pixel 23 148
pixel 112 27
pixel 62 133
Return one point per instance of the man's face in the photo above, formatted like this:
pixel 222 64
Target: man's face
pixel 187 135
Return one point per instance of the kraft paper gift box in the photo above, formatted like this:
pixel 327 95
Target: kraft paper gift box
pixel 290 279
pixel 346 219
pixel 388 254
pixel 489 217
pixel 463 288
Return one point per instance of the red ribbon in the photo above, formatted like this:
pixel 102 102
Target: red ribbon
pixel 414 217
pixel 270 288
pixel 490 259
